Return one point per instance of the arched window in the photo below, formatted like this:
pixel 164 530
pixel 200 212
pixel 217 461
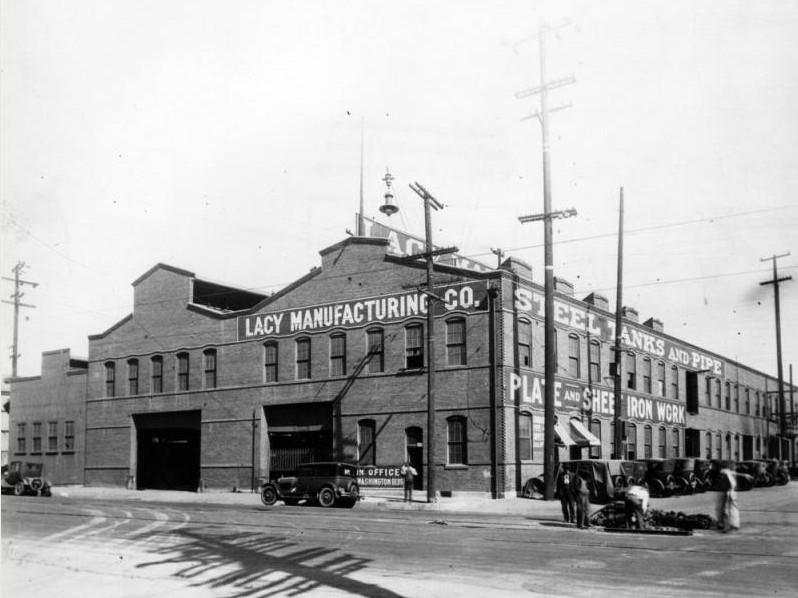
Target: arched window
pixel 736 447
pixel 156 374
pixel 748 401
pixel 676 443
pixel 647 449
pixel 674 383
pixel 728 396
pixel 375 342
pixel 728 446
pixel 718 446
pixel 708 447
pixel 338 354
pixel 525 437
pixel 209 368
pixel 661 449
pixel 631 370
pixel 457 441
pixel 303 359
pixel 270 362
pixel 595 429
pixel 661 378
pixel 524 343
pixel 182 371
pixel 414 347
pixel 631 442
pixel 366 453
pixel 132 377
pixel 456 341
pixel 574 351
pixel 110 379
pixel 737 398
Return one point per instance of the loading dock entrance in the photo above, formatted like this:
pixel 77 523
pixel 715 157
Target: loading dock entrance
pixel 168 450
pixel 298 434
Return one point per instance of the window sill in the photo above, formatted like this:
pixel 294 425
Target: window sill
pixel 51 453
pixel 67 452
pixel 455 467
pixel 411 371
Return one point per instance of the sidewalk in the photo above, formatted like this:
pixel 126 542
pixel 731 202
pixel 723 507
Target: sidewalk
pixel 465 502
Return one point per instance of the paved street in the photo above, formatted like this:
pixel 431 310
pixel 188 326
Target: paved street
pixel 125 544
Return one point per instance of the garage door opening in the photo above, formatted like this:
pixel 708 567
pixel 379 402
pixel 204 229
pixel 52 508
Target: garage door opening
pixel 298 434
pixel 168 451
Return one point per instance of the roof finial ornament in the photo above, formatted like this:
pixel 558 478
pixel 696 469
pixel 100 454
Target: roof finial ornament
pixel 389 207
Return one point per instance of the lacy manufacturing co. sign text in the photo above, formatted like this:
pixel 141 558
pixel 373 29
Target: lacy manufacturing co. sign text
pixel 465 297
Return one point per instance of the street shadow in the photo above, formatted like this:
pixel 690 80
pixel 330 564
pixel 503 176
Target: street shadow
pixel 257 566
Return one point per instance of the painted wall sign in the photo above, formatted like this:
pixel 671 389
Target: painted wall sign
pixel 380 476
pixel 577 397
pixel 469 297
pixel 602 327
pixel 405 244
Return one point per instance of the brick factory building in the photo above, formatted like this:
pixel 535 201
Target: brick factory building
pixel 207 386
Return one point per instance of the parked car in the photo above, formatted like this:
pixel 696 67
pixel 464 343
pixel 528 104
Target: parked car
pixel 24 478
pixel 745 481
pixel 758 470
pixel 684 476
pixel 779 471
pixel 327 483
pixel 605 479
pixel 659 476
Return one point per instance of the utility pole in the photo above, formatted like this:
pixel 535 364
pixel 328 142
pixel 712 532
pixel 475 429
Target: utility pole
pixel 792 421
pixel 775 282
pixel 549 448
pixel 18 283
pixel 617 412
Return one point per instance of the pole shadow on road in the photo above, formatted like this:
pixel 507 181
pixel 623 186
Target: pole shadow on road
pixel 254 565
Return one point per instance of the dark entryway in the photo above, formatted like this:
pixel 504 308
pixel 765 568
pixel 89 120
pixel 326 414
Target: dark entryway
pixel 298 434
pixel 415 454
pixel 168 455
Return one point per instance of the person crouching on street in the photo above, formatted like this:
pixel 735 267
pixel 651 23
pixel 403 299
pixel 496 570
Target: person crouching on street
pixel 636 506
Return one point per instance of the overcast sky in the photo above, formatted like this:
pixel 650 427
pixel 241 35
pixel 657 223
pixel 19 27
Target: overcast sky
pixel 224 138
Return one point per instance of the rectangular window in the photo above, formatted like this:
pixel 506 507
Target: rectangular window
pixel 52 437
pixel 456 342
pixel 457 442
pixel 574 348
pixel 376 346
pixel 110 379
pixel 270 362
pixel 647 375
pixel 748 401
pixel 708 382
pixel 36 438
pixel 303 359
pixel 708 447
pixel 133 377
pixel 157 374
pixel 728 396
pixel 674 383
pixel 365 442
pixel 756 412
pixel 338 355
pixel 737 398
pixel 631 371
pixel 595 429
pixel 209 368
pixel 69 436
pixel 631 442
pixel 182 371
pixel 22 437
pixel 525 437
pixel 525 344
pixel 718 447
pixel 595 361
pixel 414 347
pixel 717 394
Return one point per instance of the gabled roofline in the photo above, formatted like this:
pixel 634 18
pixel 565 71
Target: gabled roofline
pixel 282 292
pixel 162 266
pixel 125 320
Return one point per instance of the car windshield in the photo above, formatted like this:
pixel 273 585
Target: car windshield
pixel 33 470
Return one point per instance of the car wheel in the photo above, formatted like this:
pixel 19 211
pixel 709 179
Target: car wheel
pixel 326 497
pixel 268 495
pixel 19 489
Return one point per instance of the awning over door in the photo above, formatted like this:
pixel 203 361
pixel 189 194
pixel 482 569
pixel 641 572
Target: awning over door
pixel 561 432
pixel 582 436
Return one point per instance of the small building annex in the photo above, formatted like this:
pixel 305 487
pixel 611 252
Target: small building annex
pixel 206 386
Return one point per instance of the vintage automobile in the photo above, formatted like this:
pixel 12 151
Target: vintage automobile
pixel 684 476
pixel 758 470
pixel 24 478
pixel 745 481
pixel 326 483
pixel 659 477
pixel 779 471
pixel 605 479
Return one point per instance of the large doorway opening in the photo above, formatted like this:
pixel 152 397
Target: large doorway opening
pixel 168 450
pixel 414 439
pixel 298 434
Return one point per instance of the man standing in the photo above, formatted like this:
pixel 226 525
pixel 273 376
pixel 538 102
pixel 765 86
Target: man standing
pixel 408 473
pixel 636 505
pixel 566 493
pixel 582 492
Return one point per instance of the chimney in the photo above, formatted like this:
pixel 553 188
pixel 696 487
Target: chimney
pixel 630 313
pixel 517 267
pixel 563 286
pixel 597 300
pixel 654 324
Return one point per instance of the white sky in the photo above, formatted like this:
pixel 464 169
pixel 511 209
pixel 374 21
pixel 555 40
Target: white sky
pixel 224 138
